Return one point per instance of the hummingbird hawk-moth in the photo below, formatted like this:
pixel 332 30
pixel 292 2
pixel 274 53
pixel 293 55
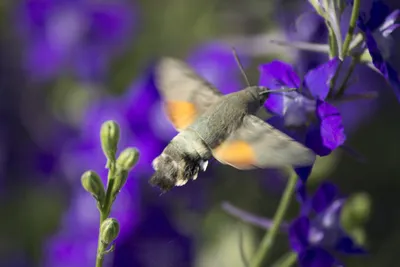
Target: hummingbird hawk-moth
pixel 211 124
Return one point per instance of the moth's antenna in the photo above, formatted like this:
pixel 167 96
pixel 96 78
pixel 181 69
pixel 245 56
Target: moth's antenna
pixel 235 55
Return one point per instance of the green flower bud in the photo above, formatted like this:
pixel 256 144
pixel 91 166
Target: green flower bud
pixel 92 183
pixel 109 136
pixel 128 159
pixel 360 206
pixel 359 236
pixel 119 181
pixel 356 211
pixel 109 230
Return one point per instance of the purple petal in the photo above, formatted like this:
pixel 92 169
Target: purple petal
pixel 318 80
pixel 377 59
pixel 275 75
pixel 392 18
pixel 332 130
pixel 316 257
pixel 298 234
pixel 278 74
pixel 347 245
pixel 324 196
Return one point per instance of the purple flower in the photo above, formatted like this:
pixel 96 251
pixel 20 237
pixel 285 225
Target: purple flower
pixel 377 30
pixel 78 36
pixel 317 231
pixel 305 107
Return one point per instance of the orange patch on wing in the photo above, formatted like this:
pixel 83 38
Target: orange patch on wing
pixel 181 113
pixel 237 153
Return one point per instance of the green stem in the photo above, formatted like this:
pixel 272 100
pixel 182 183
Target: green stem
pixel 352 26
pixel 334 79
pixel 342 88
pixel 100 246
pixel 104 213
pixel 287 260
pixel 332 42
pixel 269 237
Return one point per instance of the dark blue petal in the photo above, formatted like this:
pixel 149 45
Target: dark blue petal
pixel 379 12
pixel 332 130
pixel 318 80
pixel 314 140
pixel 324 196
pixel 304 172
pixel 316 257
pixel 377 59
pixel 301 191
pixel 277 75
pixel 298 233
pixel 347 245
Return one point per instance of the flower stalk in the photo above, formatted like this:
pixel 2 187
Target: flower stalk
pixel 269 238
pixel 352 25
pixel 118 169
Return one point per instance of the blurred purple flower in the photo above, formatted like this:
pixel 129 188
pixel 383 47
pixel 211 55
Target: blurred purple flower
pixel 315 237
pixel 76 243
pixel 377 30
pixel 324 130
pixel 77 36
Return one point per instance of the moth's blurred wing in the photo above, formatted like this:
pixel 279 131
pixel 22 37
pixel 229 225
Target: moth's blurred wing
pixel 185 94
pixel 257 144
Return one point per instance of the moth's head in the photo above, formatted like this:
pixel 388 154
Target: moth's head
pixel 166 172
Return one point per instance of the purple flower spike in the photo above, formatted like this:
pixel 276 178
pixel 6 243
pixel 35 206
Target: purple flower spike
pixel 79 36
pixel 317 232
pixel 307 107
pixel 384 24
